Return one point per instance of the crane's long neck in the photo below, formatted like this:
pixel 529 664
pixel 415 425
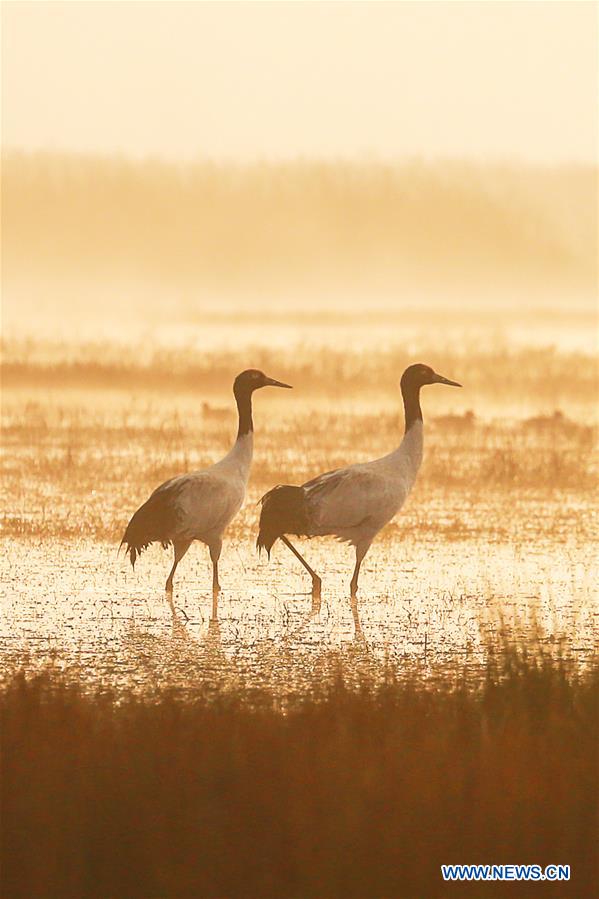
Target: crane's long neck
pixel 411 403
pixel 244 410
pixel 407 458
pixel 239 457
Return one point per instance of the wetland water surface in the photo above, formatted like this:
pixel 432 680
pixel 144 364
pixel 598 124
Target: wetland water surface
pixel 494 544
pixel 74 604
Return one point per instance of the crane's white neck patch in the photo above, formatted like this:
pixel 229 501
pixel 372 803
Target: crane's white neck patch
pixel 408 455
pixel 413 438
pixel 242 452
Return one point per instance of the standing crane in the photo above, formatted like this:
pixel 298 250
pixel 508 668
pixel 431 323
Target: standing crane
pixel 199 505
pixel 352 503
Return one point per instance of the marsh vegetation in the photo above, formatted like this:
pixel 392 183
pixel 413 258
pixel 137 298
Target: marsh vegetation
pixel 283 749
pixel 352 790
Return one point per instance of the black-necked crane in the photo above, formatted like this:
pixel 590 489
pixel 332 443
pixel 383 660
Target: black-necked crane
pixel 201 504
pixel 353 503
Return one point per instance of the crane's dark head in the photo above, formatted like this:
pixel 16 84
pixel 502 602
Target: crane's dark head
pixel 416 376
pixel 252 379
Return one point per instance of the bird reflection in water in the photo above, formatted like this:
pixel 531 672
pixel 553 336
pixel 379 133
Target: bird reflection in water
pixel 358 632
pixel 206 654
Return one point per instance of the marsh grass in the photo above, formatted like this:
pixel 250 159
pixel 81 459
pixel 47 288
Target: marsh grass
pixel 76 463
pixel 353 790
pixel 490 370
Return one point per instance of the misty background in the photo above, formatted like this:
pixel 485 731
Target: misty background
pixel 162 162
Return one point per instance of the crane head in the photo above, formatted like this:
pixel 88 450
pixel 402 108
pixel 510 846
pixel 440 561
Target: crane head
pixel 417 376
pixel 252 379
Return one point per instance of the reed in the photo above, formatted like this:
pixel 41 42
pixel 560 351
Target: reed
pixel 353 790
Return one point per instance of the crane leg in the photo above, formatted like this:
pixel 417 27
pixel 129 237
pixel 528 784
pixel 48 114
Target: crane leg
pixel 360 553
pixel 215 549
pixel 180 547
pixel 316 581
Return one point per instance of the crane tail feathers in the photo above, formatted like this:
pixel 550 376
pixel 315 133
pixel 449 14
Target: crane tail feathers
pixel 152 523
pixel 134 550
pixel 284 511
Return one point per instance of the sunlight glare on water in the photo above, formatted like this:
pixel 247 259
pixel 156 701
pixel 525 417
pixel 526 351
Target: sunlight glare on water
pixel 75 604
pixel 493 545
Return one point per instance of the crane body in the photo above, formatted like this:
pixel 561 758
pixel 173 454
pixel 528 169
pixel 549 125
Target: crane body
pixel 200 505
pixel 352 503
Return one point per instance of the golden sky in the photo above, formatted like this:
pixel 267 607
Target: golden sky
pixel 243 80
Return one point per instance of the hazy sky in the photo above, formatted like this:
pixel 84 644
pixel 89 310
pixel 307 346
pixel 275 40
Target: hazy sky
pixel 271 79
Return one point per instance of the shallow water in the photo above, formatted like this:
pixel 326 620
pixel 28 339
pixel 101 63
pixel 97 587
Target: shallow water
pixel 434 604
pixel 495 544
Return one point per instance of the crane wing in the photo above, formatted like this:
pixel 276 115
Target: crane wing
pixel 187 506
pixel 156 520
pixel 205 502
pixel 347 498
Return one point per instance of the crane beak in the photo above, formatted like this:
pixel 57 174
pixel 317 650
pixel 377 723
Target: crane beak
pixel 270 382
pixel 439 379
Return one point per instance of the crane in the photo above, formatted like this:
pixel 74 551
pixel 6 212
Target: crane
pixel 352 503
pixel 199 505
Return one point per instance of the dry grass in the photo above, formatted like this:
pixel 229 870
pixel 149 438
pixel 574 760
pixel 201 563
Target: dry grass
pixel 78 460
pixel 352 792
pixel 494 376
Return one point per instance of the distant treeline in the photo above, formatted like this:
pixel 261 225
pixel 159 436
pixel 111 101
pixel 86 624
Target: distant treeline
pixel 298 226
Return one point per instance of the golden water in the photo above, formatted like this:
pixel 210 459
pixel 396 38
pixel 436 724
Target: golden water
pixel 495 542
